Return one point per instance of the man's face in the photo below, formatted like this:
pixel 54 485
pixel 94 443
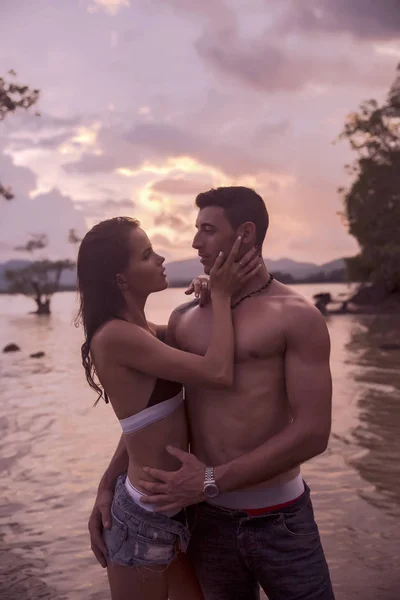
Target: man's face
pixel 214 234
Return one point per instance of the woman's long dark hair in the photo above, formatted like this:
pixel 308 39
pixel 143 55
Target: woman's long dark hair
pixel 104 252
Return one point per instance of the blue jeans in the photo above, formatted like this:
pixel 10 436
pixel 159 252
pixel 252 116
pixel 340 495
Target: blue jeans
pixel 234 553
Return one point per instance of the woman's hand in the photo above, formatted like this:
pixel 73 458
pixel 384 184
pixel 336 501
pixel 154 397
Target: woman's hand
pixel 100 519
pixel 228 275
pixel 200 286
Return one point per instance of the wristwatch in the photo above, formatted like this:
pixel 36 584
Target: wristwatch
pixel 210 488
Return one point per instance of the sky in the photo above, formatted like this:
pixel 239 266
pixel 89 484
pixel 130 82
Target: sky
pixel 146 103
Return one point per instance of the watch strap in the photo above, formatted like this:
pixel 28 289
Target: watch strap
pixel 209 476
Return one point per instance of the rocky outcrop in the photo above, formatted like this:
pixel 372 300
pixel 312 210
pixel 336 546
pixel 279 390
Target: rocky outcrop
pixel 367 300
pixel 37 355
pixel 11 348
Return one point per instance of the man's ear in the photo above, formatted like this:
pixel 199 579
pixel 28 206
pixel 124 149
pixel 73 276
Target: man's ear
pixel 248 233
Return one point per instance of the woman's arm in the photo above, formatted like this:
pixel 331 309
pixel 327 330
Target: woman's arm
pixel 134 347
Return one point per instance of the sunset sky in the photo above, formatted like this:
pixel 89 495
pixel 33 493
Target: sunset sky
pixel 145 103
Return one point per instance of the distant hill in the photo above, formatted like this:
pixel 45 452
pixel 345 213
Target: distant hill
pixel 185 270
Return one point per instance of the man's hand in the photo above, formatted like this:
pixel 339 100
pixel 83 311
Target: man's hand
pixel 175 489
pixel 200 286
pixel 99 519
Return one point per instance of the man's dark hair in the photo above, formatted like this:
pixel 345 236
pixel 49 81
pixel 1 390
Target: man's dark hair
pixel 240 204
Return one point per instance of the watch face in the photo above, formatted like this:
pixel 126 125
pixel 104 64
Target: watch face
pixel 211 490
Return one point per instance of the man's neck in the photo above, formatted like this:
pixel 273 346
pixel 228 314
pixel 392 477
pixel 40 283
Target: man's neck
pixel 254 284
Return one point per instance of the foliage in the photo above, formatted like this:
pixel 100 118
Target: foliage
pixel 37 242
pixel 39 279
pixel 14 96
pixel 372 204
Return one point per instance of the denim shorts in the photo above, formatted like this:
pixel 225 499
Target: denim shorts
pixel 138 537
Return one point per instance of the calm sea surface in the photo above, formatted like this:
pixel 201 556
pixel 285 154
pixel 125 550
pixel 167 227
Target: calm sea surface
pixel 54 447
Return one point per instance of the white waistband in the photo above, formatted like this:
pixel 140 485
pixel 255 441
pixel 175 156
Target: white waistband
pixel 151 414
pixel 136 496
pixel 262 498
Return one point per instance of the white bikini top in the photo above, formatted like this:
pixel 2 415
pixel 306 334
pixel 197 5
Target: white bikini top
pixel 151 414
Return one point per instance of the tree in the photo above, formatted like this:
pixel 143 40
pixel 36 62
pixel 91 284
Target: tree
pixel 372 204
pixel 14 96
pixel 40 279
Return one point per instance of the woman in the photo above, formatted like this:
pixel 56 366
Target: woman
pixel 117 271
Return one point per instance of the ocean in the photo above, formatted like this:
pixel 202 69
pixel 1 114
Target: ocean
pixel 55 446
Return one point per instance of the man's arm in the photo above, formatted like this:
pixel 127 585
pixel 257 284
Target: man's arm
pixel 309 390
pixel 101 514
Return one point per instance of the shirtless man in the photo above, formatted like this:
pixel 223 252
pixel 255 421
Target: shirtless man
pixel 250 512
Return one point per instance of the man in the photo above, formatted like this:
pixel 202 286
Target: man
pixel 250 513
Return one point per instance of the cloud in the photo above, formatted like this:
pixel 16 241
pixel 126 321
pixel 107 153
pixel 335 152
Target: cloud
pixel 51 213
pixel 27 122
pixel 170 247
pixel 272 64
pixel 212 10
pixel 112 7
pixel 46 133
pixel 104 209
pixel 123 203
pixel 52 142
pixel 181 185
pixel 173 221
pixel 162 241
pixel 255 92
pixel 92 163
pixel 363 19
pixel 22 180
pixel 158 142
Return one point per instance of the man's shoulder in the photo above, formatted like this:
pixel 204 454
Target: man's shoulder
pixel 289 298
pixel 301 318
pixel 292 307
pixel 182 310
pixel 175 319
pixel 186 306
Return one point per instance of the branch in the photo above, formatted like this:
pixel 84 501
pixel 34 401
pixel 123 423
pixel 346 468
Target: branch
pixel 14 96
pixel 6 192
pixel 37 242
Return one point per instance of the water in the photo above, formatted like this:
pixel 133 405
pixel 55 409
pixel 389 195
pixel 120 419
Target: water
pixel 54 447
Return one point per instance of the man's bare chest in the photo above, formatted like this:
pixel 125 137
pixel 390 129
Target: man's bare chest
pixel 257 335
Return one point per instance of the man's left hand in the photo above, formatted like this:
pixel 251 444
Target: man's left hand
pixel 175 489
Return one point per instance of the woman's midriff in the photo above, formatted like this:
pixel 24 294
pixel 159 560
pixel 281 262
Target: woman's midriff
pixel 147 447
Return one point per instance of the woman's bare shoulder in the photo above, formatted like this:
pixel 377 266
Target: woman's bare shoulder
pixel 115 331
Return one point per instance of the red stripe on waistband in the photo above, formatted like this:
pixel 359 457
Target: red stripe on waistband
pixel 253 512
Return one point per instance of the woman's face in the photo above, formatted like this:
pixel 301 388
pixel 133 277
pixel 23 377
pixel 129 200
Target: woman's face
pixel 145 273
